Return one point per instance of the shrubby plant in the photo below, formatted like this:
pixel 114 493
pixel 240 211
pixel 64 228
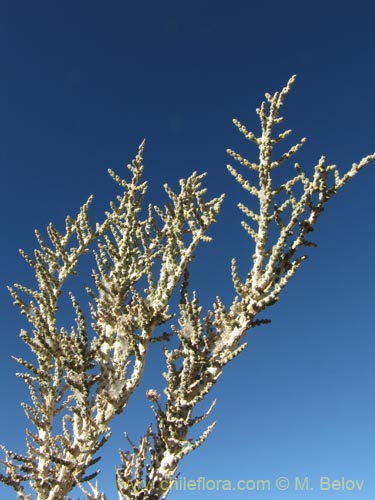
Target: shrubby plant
pixel 82 377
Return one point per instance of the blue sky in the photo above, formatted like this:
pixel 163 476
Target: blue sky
pixel 84 82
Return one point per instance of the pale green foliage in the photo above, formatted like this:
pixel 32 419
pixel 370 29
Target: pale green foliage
pixel 84 377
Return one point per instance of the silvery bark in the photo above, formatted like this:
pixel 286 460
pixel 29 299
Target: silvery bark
pixel 84 376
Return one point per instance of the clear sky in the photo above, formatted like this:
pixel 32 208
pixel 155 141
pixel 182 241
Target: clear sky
pixel 84 82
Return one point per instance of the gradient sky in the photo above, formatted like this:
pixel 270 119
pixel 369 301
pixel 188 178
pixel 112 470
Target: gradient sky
pixel 84 82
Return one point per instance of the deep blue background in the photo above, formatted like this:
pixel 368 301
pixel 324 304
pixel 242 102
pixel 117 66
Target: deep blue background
pixel 84 82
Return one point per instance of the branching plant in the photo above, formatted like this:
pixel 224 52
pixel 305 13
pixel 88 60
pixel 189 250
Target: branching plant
pixel 83 377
